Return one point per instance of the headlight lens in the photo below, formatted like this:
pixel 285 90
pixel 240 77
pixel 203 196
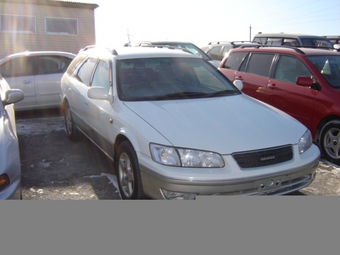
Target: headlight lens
pixel 185 157
pixel 305 142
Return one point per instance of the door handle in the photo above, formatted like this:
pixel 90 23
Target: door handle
pixel 238 78
pixel 272 85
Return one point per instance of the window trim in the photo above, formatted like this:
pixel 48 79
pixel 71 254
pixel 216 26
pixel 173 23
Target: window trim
pixel 60 33
pixel 33 20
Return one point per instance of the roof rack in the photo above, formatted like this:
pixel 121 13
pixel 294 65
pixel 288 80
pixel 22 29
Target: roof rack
pixel 166 47
pixel 88 47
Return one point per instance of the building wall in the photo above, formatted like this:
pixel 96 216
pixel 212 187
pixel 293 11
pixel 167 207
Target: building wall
pixel 18 42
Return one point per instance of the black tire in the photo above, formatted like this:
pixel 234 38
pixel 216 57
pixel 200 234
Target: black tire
pixel 330 141
pixel 71 131
pixel 128 173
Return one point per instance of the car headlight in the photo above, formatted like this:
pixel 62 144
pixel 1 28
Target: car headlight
pixel 305 142
pixel 182 157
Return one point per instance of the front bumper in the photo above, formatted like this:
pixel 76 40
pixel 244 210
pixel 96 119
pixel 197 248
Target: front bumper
pixel 271 184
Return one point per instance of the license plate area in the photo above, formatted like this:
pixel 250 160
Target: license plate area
pixel 268 184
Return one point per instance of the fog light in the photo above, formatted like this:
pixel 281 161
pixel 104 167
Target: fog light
pixel 172 195
pixel 4 181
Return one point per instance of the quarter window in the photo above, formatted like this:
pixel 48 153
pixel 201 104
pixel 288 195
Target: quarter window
pixel 61 26
pixel 17 24
pixel 260 64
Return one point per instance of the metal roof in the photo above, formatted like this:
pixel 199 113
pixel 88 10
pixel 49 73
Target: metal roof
pixel 61 3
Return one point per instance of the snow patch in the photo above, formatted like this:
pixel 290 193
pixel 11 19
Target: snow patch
pixel 39 126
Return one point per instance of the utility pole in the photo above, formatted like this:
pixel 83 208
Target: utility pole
pixel 250 33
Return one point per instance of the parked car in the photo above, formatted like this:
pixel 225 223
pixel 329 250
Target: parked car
pixel 335 40
pixel 184 45
pixel 293 40
pixel 176 128
pixel 10 167
pixel 38 75
pixel 218 50
pixel 304 83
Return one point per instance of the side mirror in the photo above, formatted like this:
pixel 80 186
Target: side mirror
pixel 238 84
pixel 336 47
pixel 12 96
pixel 304 81
pixel 98 93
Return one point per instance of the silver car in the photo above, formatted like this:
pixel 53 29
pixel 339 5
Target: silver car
pixel 38 75
pixel 10 169
pixel 176 128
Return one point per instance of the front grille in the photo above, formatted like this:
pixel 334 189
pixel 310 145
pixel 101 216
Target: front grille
pixel 265 157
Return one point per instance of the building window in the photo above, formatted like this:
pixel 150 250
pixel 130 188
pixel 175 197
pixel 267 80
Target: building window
pixel 61 26
pixel 17 24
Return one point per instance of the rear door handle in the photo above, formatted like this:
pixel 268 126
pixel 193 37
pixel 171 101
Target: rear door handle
pixel 26 82
pixel 239 78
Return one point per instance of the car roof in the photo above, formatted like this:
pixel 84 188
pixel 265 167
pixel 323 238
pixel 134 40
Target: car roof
pixel 290 50
pixel 138 52
pixel 288 35
pixel 38 53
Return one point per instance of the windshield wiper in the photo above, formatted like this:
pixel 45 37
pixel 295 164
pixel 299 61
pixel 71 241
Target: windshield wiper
pixel 223 92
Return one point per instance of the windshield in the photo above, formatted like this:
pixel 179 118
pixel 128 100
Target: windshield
pixel 170 79
pixel 328 66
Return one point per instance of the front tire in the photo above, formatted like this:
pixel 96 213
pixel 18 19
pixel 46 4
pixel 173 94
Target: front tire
pixel 71 130
pixel 128 173
pixel 330 141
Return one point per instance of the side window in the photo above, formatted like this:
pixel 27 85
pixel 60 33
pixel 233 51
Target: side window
pixel 226 49
pixel 52 64
pixel 101 76
pixel 85 71
pixel 214 52
pixel 260 64
pixel 234 60
pixel 289 68
pixel 274 41
pixel 21 66
pixel 261 40
pixel 291 42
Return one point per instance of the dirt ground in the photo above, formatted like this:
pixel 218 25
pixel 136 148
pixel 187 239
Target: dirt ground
pixel 54 168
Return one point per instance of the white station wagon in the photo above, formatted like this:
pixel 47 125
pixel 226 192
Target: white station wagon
pixel 176 128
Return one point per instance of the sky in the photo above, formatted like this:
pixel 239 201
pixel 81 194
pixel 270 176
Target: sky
pixel 201 22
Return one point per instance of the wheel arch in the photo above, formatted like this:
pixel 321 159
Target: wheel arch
pixel 321 125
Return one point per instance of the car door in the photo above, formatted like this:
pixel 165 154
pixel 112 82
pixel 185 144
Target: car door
pixel 49 71
pixel 77 93
pixel 19 74
pixel 255 75
pixel 286 95
pixel 99 115
pixel 230 65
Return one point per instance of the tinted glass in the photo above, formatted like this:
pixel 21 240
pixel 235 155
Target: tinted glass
pixel 20 66
pixel 260 64
pixel 234 60
pixel 329 67
pixel 170 79
pixel 289 68
pixel 52 64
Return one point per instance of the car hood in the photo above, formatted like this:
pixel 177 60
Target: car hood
pixel 224 124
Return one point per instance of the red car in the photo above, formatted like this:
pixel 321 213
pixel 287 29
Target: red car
pixel 303 82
